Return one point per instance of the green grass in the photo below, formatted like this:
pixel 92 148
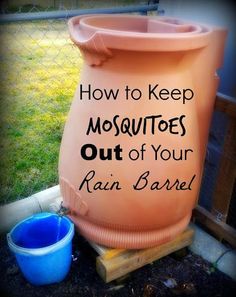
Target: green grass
pixel 40 69
pixel 39 72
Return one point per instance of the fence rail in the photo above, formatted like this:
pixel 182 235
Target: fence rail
pixel 60 14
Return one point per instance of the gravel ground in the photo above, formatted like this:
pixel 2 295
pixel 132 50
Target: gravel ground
pixel 174 275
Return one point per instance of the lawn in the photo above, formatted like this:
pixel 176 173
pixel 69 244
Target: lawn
pixel 40 69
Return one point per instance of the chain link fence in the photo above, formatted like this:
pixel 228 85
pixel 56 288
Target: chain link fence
pixel 21 6
pixel 40 68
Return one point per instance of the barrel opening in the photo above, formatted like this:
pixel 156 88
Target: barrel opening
pixel 139 24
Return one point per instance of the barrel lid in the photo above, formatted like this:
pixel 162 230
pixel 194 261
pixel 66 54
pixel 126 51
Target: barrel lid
pixel 139 33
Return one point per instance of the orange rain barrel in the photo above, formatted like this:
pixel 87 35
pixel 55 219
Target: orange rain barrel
pixel 131 161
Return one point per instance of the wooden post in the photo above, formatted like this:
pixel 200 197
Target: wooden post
pixel 227 169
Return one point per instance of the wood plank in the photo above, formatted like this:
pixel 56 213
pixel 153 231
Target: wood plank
pixel 220 228
pixel 110 268
pixel 226 104
pixel 106 252
pixel 112 253
pixel 226 175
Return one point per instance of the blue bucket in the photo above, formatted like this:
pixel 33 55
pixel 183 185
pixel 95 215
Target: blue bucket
pixel 42 245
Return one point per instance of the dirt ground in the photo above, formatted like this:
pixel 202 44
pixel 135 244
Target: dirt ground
pixel 174 275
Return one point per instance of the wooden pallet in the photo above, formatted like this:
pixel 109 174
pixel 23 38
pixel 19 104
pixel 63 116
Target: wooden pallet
pixel 115 263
